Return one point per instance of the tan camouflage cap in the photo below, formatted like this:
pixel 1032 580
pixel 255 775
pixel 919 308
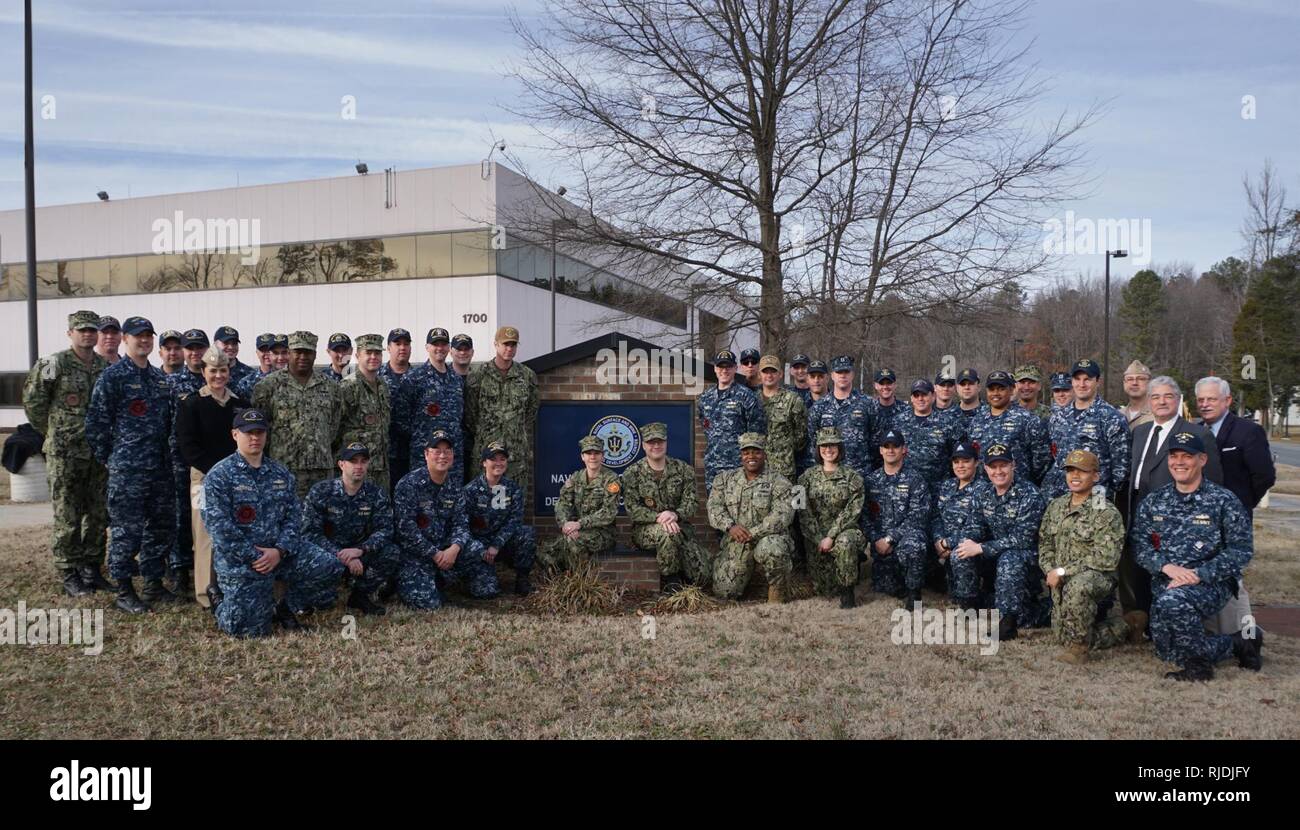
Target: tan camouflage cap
pixel 753 440
pixel 591 442
pixel 1137 367
pixel 370 343
pixel 1027 371
pixel 302 340
pixel 654 432
pixel 83 320
pixel 828 435
pixel 507 334
pixel 770 361
pixel 1081 460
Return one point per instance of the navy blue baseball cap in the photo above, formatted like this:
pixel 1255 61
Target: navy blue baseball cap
pixel 352 450
pixel 106 323
pixel 1186 441
pixel 997 452
pixel 817 366
pixel 724 358
pixel 842 363
pixel 1060 380
pixel 1088 367
pixel 922 385
pixel 749 354
pixel 462 341
pixel 170 334
pixel 226 334
pixel 964 449
pixel 1000 378
pixel 494 448
pixel 941 378
pixel 437 335
pixel 265 342
pixel 438 436
pixel 281 341
pixel 195 337
pixel 137 325
pixel 339 340
pixel 886 376
pixel 800 360
pixel 247 420
pixel 968 374
pixel 399 334
pixel 894 437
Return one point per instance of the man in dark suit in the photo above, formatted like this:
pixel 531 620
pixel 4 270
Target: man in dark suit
pixel 1150 472
pixel 1248 472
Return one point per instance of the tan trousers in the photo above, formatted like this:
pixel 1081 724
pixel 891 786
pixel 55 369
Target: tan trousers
pixel 203 573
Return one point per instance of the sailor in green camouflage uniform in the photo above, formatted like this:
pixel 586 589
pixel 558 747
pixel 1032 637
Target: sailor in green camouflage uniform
pixel 1029 390
pixel 834 495
pixel 752 507
pixel 787 419
pixel 501 406
pixel 585 511
pixel 367 408
pixel 1079 544
pixel 55 398
pixel 659 494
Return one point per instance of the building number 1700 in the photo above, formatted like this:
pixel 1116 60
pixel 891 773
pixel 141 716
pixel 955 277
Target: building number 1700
pixel 475 318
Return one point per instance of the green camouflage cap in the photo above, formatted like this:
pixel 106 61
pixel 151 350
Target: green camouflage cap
pixel 828 435
pixel 591 442
pixel 83 320
pixel 657 430
pixel 755 440
pixel 370 343
pixel 302 340
pixel 1027 371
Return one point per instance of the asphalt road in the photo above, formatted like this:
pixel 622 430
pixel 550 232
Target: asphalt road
pixel 1286 452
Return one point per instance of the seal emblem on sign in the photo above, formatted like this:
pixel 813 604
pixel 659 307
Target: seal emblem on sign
pixel 622 439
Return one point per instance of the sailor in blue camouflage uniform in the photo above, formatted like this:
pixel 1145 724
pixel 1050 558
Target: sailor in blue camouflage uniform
pixel 954 520
pixel 1092 424
pixel 1002 421
pixel 848 410
pixel 726 412
pixel 799 378
pixel 265 347
pixel 1195 539
pixel 1010 511
pixel 339 349
pixel 897 522
pixel 968 400
pixel 886 411
pixel 496 517
pixel 228 337
pixel 930 437
pixel 252 513
pixel 399 451
pixel 351 519
pixel 433 531
pixel 1062 392
pixel 128 426
pixel 185 382
pixel 432 398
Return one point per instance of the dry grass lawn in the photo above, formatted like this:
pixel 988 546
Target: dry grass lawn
pixel 801 670
pixel 1288 480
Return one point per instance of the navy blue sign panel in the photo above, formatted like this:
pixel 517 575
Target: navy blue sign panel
pixel 561 424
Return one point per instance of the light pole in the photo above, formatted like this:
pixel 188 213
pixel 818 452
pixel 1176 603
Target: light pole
pixel 1105 354
pixel 1014 343
pixel 29 171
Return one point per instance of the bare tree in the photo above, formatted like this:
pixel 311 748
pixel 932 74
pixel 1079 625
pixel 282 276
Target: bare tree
pixel 1267 219
pixel 782 153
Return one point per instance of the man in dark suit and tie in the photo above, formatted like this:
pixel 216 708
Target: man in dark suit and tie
pixel 1150 472
pixel 1248 471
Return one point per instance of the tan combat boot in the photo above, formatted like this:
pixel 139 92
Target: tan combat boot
pixel 1137 626
pixel 776 592
pixel 1075 654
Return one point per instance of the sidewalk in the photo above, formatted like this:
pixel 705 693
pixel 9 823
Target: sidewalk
pixel 26 515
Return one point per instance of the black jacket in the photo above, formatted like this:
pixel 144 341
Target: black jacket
pixel 203 429
pixel 1155 473
pixel 1247 460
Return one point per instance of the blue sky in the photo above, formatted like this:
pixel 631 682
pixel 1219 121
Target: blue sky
pixel 157 97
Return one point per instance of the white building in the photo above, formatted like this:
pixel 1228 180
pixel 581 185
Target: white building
pixel 357 254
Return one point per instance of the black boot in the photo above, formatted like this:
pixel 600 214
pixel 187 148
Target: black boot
pixel 93 579
pixel 1246 650
pixel 913 599
pixel 1008 627
pixel 1195 671
pixel 523 585
pixel 361 601
pixel 73 585
pixel 126 598
pixel 214 597
pixel 155 591
pixel 182 585
pixel 288 620
pixel 389 590
pixel 848 597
